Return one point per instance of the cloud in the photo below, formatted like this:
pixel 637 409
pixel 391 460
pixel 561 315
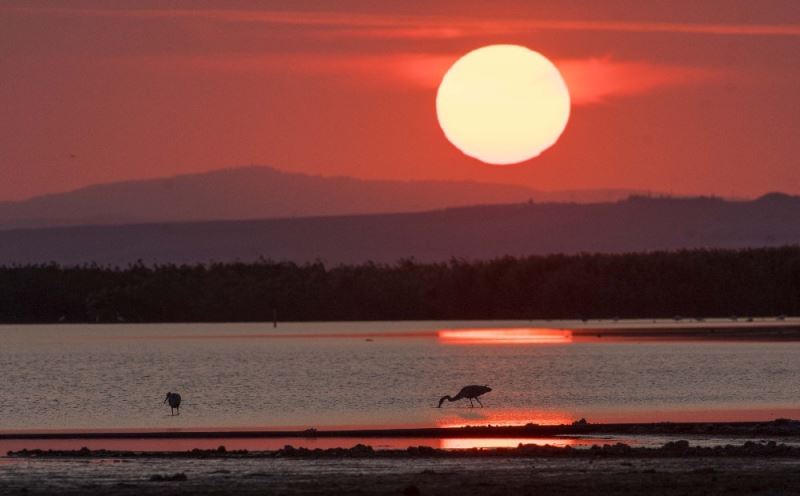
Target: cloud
pixel 415 70
pixel 595 80
pixel 362 25
pixel 590 81
pixel 454 28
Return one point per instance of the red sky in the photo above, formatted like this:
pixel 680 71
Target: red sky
pixel 673 96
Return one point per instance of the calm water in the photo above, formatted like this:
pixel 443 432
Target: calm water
pixel 375 374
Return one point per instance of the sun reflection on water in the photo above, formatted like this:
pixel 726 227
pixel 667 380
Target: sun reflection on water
pixel 533 335
pixel 500 417
pixel 511 442
pixel 263 444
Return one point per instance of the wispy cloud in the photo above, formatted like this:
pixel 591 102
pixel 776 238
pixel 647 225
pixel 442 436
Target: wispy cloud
pixel 597 80
pixel 416 70
pixel 421 26
pixel 469 28
pixel 590 81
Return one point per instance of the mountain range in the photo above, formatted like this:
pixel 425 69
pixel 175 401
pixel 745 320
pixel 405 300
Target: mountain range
pixel 480 232
pixel 258 192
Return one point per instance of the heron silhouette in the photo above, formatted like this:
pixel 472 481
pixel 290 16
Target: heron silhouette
pixel 468 392
pixel 174 400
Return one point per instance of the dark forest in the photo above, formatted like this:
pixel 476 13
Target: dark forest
pixel 689 284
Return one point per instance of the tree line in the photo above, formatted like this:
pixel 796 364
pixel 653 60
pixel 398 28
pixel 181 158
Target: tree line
pixel 691 283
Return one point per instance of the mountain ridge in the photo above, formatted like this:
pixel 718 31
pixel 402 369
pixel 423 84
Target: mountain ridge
pixel 256 192
pixel 636 224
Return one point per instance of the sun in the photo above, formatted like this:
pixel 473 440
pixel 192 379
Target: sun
pixel 503 104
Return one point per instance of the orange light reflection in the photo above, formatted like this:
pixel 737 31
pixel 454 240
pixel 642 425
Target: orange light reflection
pixel 500 417
pixel 468 443
pixel 533 335
pixel 259 444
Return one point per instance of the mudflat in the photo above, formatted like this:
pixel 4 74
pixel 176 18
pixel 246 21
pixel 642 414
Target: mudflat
pixel 676 468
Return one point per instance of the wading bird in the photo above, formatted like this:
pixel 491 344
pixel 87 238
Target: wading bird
pixel 174 402
pixel 468 392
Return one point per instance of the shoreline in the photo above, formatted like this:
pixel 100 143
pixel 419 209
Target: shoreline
pixel 758 329
pixel 764 467
pixel 777 427
pixel 671 449
pixel 412 476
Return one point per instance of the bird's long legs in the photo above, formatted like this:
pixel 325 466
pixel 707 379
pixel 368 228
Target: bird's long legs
pixel 470 403
pixel 479 402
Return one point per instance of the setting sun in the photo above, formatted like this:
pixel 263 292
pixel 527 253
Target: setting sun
pixel 503 104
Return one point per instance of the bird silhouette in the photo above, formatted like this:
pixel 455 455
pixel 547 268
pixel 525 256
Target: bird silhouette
pixel 468 392
pixel 174 402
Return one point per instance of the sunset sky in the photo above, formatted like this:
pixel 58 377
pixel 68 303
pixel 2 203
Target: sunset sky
pixel 681 97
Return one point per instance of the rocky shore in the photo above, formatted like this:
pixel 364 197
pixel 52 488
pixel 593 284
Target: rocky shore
pixel 679 448
pixel 615 471
pixel 761 467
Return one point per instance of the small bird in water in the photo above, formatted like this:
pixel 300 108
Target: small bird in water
pixel 174 400
pixel 468 392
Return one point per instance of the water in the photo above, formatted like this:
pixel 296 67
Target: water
pixel 325 375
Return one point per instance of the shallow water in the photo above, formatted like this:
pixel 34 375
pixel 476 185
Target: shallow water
pixel 375 375
pixel 429 475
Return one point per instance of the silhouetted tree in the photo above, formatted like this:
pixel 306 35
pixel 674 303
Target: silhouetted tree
pixel 695 283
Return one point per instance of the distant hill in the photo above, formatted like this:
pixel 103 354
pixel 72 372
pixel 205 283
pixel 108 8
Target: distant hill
pixel 632 225
pixel 262 192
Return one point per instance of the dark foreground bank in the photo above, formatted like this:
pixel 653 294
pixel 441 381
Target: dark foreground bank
pixel 766 466
pixel 769 465
pixel 672 469
pixel 671 449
